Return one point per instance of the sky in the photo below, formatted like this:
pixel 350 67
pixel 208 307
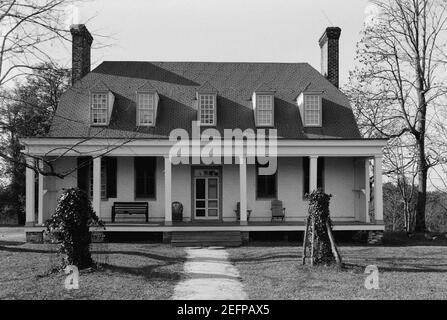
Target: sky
pixel 218 30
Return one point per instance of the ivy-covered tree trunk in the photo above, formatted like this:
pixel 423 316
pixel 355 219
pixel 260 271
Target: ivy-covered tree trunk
pixel 70 226
pixel 318 239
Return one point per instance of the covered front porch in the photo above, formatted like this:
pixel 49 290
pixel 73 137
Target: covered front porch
pixel 346 175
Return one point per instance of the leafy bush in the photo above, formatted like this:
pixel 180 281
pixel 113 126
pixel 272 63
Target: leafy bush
pixel 70 225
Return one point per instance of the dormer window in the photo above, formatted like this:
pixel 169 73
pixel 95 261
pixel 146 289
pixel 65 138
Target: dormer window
pixel 147 104
pixel 207 109
pixel 264 110
pixel 101 104
pixel 100 108
pixel 146 109
pixel 310 109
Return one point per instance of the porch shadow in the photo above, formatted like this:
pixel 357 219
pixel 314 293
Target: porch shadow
pixel 411 268
pixel 270 257
pixel 4 247
pixel 194 276
pixel 11 243
pixel 171 260
pixel 149 272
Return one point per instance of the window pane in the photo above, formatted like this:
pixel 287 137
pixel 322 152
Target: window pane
pixel 145 168
pixel 212 204
pixel 200 189
pixel 212 188
pixel 312 110
pixel 99 108
pixel 212 212
pixel 266 185
pixel 146 108
pixel 207 109
pixel 200 204
pixel 200 212
pixel 264 109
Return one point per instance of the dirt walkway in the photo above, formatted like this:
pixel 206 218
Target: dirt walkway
pixel 209 275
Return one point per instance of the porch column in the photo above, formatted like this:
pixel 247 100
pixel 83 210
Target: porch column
pixel 30 194
pixel 97 186
pixel 168 188
pixel 243 190
pixel 313 173
pixel 367 191
pixel 40 193
pixel 378 196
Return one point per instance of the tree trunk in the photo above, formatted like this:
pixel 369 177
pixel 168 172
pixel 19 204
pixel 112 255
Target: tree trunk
pixel 422 167
pixel 422 193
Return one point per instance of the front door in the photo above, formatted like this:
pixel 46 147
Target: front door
pixel 206 194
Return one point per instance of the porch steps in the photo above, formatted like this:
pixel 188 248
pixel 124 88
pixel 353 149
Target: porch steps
pixel 206 238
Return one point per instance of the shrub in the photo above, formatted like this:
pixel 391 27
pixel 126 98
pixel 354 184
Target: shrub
pixel 70 225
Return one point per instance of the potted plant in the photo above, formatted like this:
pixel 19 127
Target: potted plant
pixel 177 211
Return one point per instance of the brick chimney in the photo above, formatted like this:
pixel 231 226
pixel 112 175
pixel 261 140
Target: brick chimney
pixel 329 54
pixel 81 44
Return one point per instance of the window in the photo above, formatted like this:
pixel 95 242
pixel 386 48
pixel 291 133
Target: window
pixel 207 109
pixel 266 185
pixel 145 177
pixel 306 174
pixel 264 110
pixel 146 108
pixel 99 108
pixel 312 110
pixel 108 176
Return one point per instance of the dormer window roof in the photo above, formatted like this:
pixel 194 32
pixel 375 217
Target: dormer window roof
pixel 207 105
pixel 311 110
pixel 147 105
pixel 101 104
pixel 264 106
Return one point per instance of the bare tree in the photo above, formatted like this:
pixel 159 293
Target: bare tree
pixel 26 28
pixel 399 82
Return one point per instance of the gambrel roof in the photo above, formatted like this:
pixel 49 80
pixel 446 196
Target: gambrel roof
pixel 177 83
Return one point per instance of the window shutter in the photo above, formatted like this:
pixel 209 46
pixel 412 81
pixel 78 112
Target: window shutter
pixel 320 173
pixel 83 165
pixel 306 176
pixel 111 177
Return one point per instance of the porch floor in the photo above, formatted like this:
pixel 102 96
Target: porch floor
pixel 234 226
pixel 225 226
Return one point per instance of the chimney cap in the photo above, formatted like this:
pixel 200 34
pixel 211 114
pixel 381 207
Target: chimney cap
pixel 332 33
pixel 81 30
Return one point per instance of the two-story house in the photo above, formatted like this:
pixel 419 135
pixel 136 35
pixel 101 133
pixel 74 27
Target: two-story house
pixel 111 134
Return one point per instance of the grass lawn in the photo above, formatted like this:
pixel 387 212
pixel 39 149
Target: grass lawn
pixel 416 270
pixel 405 272
pixel 132 271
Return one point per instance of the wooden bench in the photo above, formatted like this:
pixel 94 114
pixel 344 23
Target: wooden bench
pixel 130 208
